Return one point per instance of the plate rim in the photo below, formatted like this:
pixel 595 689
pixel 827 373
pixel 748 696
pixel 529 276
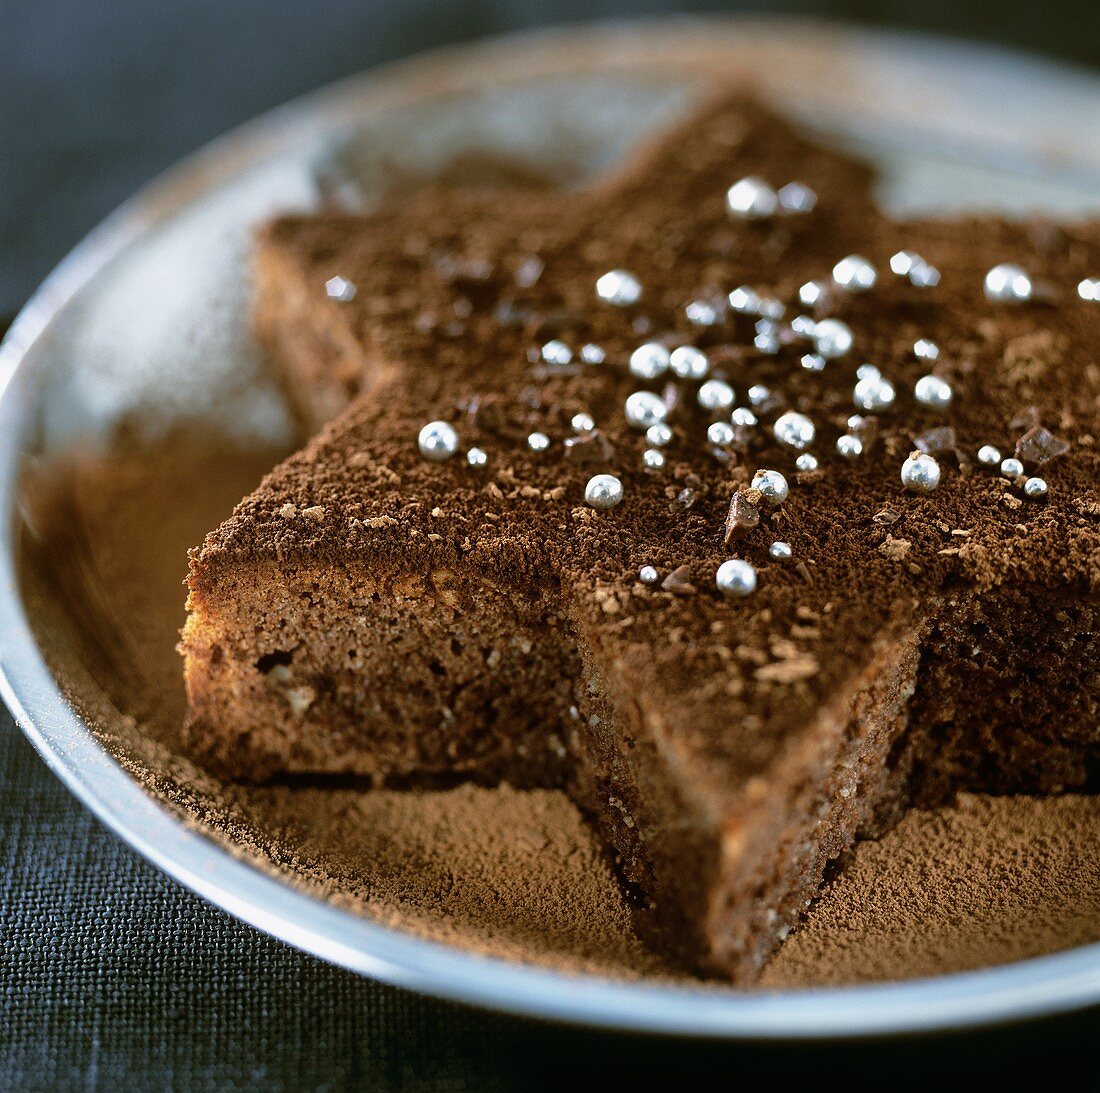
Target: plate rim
pixel 1029 988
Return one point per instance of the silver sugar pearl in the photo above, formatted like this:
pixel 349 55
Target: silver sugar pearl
pixel 810 294
pixel 1089 289
pixel 767 343
pixel 1011 467
pixel 476 457
pixel 849 447
pixel 988 456
pixel 648 575
pixel 856 422
pixel 437 441
pixel 772 486
pixel 920 473
pixel 832 338
pixel 689 363
pixel 924 349
pixel 340 288
pixel 780 551
pixel 867 372
pixel 812 362
pixel 751 199
pixel 604 491
pixel 920 273
pixel 644 408
pixel 1008 284
pixel 933 391
pixel 904 261
pixel 802 326
pixel 653 459
pixel 796 198
pixel 1035 488
pixel 716 396
pixel 592 354
pixel 538 442
pixel 806 462
pixel 736 578
pixel 720 434
pixel 582 423
pixel 874 393
pixel 770 307
pixel 619 287
pixel 657 436
pixel 649 361
pixel 854 274
pixel 924 276
pixel 701 313
pixel 556 352
pixel 744 300
pixel 758 394
pixel 795 430
pixel 742 415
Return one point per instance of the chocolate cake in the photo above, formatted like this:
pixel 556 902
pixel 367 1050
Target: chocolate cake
pixel 534 542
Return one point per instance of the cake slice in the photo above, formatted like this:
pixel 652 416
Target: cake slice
pixel 372 611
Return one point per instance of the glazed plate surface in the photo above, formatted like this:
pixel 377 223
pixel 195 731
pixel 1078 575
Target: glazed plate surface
pixel 147 321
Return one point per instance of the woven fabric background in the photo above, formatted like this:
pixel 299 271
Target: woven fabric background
pixel 111 976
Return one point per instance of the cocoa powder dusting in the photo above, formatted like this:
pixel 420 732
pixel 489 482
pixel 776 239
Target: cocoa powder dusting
pixel 505 871
pixel 992 880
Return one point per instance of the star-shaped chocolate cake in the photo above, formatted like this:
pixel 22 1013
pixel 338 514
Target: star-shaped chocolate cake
pixel 542 417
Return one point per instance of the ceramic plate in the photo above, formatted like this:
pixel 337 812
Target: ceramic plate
pixel 162 284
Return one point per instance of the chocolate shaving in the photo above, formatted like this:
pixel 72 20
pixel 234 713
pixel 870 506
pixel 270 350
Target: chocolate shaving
pixel 1027 418
pixel 743 516
pixel 678 582
pixel 886 516
pixel 490 414
pixel 743 438
pixel 867 430
pixel 684 500
pixel 938 441
pixel 1038 446
pixel 590 447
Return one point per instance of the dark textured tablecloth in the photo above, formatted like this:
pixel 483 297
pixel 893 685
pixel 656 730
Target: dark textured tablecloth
pixel 113 977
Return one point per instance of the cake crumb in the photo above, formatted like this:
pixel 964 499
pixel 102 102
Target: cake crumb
pixel 895 549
